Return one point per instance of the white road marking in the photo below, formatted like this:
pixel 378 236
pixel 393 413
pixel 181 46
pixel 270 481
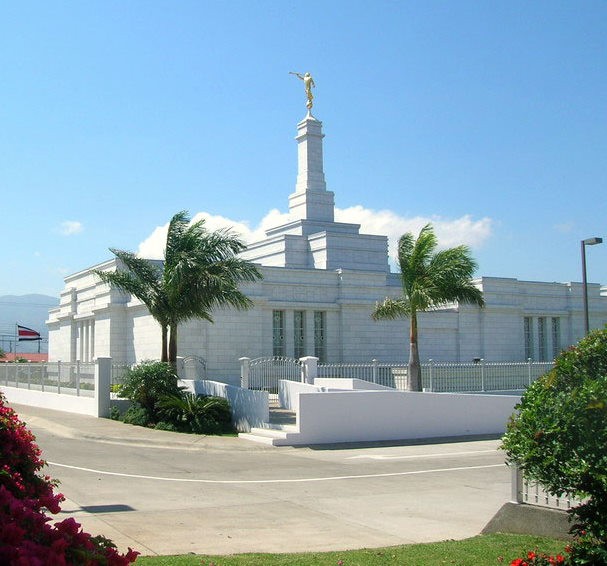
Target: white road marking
pixel 386 457
pixel 290 480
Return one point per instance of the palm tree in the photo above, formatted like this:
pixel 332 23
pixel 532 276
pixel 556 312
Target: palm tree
pixel 429 279
pixel 201 271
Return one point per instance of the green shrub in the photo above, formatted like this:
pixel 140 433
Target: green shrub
pixel 162 425
pixel 114 413
pixel 147 383
pixel 136 415
pixel 197 414
pixel 559 436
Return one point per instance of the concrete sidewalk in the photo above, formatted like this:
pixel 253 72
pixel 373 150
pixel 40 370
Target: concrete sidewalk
pixel 167 493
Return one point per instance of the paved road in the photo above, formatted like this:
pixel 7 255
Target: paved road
pixel 164 493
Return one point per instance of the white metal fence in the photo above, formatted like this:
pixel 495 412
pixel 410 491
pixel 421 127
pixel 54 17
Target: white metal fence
pixel 481 376
pixel 75 378
pixel 193 367
pixel 265 373
pixel 532 493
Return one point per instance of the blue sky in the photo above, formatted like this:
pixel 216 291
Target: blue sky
pixel 487 118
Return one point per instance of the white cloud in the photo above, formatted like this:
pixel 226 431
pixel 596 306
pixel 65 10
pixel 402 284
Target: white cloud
pixel 153 246
pixel 450 232
pixel 70 227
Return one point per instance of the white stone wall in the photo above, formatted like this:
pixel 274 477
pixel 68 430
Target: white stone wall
pixel 125 331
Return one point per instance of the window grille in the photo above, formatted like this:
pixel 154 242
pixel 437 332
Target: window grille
pixel 299 333
pixel 278 333
pixel 556 336
pixel 542 339
pixel 528 338
pixel 320 347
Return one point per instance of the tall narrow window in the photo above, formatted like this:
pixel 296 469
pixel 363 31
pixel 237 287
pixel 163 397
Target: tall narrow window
pixel 542 339
pixel 299 333
pixel 528 337
pixel 278 333
pixel 556 336
pixel 320 347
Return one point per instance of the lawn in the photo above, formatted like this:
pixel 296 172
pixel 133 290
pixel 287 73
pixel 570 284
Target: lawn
pixel 481 550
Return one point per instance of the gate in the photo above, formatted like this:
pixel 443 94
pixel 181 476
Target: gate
pixel 194 367
pixel 265 373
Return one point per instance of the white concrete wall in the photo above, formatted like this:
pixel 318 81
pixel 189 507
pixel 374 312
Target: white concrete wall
pixel 249 408
pixel 357 416
pixel 339 383
pixel 98 405
pixel 288 393
pixel 49 400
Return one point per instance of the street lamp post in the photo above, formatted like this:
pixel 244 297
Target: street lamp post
pixel 587 242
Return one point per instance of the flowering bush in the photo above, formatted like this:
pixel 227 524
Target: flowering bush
pixel 26 534
pixel 538 559
pixel 559 435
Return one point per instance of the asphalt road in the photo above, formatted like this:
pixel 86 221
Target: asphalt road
pixel 164 493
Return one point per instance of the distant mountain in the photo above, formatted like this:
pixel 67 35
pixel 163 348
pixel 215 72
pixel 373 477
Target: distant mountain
pixel 26 310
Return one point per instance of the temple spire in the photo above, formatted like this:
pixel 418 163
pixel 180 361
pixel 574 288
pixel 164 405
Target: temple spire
pixel 311 200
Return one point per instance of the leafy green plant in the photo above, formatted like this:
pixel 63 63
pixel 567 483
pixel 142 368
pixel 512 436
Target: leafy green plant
pixel 137 415
pixel 146 384
pixel 559 435
pixel 163 425
pixel 201 271
pixel 198 414
pixel 114 413
pixel 429 279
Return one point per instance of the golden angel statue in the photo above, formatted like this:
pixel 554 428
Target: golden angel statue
pixel 308 82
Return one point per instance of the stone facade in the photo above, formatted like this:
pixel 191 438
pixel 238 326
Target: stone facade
pixel 321 280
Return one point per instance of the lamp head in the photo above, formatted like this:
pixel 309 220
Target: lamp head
pixel 592 241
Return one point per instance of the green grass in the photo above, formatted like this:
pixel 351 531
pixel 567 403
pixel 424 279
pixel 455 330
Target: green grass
pixel 481 550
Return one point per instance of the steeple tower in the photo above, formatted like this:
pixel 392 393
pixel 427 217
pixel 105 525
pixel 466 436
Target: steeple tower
pixel 311 200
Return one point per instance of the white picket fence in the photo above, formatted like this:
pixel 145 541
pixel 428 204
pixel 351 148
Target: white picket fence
pixel 75 378
pixel 444 377
pixel 481 376
pixel 533 493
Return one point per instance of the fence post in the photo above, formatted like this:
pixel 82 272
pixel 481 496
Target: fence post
pixel 59 377
pixel 482 374
pixel 309 369
pixel 103 381
pixel 375 363
pixel 29 376
pixel 516 484
pixel 78 378
pixel 430 361
pixel 245 368
pixel 529 369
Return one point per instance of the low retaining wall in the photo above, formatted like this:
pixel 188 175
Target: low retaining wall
pixel 97 405
pixel 336 383
pixel 359 416
pixel 249 408
pixel 51 400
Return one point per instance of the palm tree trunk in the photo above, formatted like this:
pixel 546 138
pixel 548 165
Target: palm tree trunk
pixel 164 353
pixel 414 368
pixel 173 345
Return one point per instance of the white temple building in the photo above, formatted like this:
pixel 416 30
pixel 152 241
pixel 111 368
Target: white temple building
pixel 321 280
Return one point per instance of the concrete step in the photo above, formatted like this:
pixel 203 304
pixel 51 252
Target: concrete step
pixel 272 434
pixel 256 438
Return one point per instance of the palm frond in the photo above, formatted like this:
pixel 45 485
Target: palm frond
pixel 391 309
